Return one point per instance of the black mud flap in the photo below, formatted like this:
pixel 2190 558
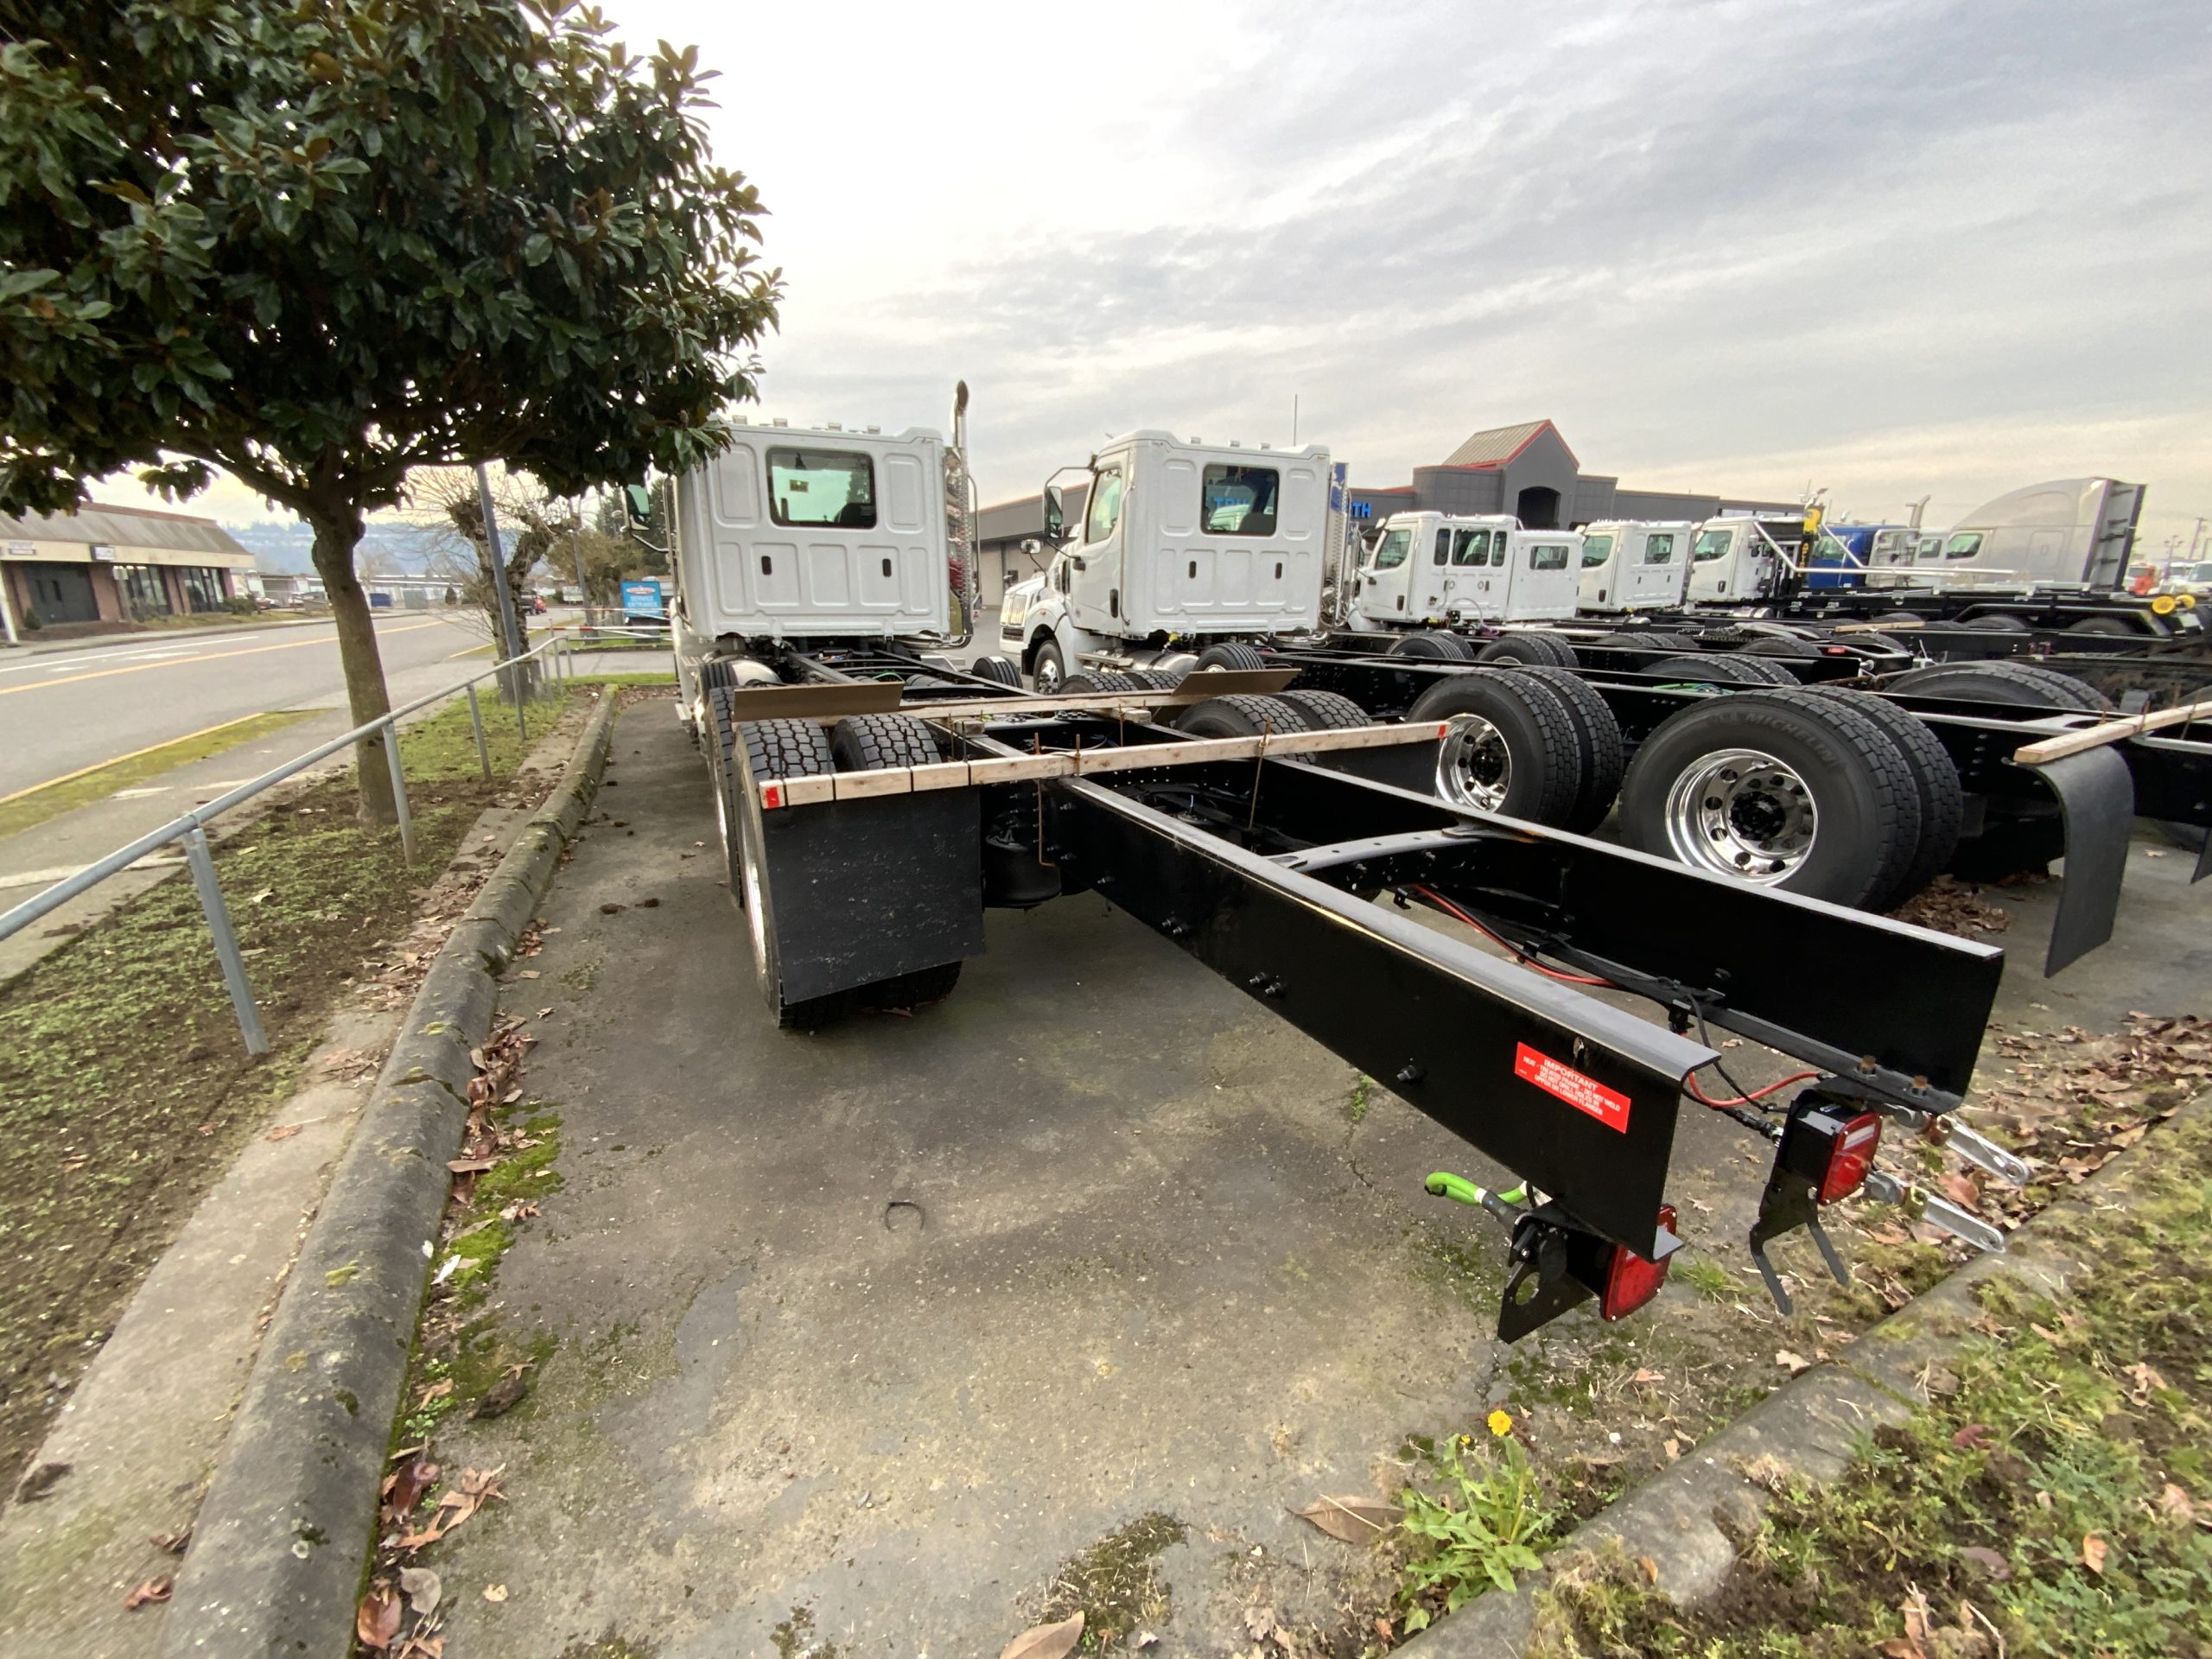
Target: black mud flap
pixel 2097 796
pixel 869 888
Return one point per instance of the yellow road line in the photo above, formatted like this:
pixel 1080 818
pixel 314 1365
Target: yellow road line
pixel 212 657
pixel 117 760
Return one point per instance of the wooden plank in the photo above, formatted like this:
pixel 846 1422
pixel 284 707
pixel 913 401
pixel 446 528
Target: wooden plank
pixel 814 701
pixel 2110 731
pixel 861 786
pixel 1065 763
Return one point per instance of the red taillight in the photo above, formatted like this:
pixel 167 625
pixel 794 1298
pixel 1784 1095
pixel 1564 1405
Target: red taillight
pixel 1850 1156
pixel 1630 1282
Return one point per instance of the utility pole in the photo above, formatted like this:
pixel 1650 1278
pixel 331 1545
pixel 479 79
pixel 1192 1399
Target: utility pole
pixel 510 630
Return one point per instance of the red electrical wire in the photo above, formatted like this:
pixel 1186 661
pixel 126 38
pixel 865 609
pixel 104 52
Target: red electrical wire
pixel 1699 1095
pixel 1449 908
pixel 1689 1082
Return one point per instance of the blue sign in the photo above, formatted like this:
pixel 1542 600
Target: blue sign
pixel 644 599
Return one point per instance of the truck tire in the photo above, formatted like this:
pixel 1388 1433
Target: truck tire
pixel 719 740
pixel 1902 619
pixel 1604 755
pixel 779 748
pixel 1710 668
pixel 1434 647
pixel 1935 779
pixel 1241 716
pixel 1541 650
pixel 1326 711
pixel 997 670
pixel 2104 625
pixel 1764 667
pixel 871 742
pixel 1154 679
pixel 2017 685
pixel 1788 647
pixel 1996 622
pixel 1097 679
pixel 1230 654
pixel 1050 668
pixel 1510 746
pixel 1662 641
pixel 1782 788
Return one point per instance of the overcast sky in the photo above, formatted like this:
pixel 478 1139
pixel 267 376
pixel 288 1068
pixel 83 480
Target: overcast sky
pixel 1895 249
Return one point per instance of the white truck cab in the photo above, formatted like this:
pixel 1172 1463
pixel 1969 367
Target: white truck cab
pixel 1632 565
pixel 1178 543
pixel 1737 559
pixel 1429 569
pixel 794 534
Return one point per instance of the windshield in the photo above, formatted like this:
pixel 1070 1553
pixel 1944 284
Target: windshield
pixel 1392 553
pixel 1595 549
pixel 1711 545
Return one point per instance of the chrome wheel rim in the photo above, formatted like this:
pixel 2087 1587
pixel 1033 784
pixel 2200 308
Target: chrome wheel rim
pixel 1474 767
pixel 1048 675
pixel 1743 813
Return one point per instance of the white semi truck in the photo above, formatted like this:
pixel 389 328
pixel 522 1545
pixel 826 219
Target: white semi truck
pixel 1182 546
pixel 1630 565
pixel 1430 569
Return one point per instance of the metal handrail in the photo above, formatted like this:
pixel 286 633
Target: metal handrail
pixel 191 828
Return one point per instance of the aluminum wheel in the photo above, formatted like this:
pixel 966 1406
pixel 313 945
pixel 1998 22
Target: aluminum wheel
pixel 1743 813
pixel 1474 767
pixel 1048 673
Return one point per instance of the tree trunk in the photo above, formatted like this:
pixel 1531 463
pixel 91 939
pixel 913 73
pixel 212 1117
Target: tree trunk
pixel 337 533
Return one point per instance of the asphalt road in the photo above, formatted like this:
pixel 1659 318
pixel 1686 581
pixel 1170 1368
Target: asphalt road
pixel 62 711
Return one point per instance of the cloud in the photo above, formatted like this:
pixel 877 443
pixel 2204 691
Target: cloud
pixel 1936 248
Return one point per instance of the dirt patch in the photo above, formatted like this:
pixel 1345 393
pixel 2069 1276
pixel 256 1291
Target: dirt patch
pixel 1115 1584
pixel 129 1090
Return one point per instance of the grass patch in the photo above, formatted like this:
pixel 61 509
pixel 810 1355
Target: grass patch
pixel 39 802
pixel 1115 1584
pixel 1360 1101
pixel 2053 1503
pixel 1474 1517
pixel 127 1089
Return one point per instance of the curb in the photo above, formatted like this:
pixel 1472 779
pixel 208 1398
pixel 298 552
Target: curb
pixel 277 1549
pixel 1680 1521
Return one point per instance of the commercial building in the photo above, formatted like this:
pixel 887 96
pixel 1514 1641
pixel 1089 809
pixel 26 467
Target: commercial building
pixel 1525 469
pixel 116 564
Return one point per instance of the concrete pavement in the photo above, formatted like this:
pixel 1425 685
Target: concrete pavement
pixel 865 1333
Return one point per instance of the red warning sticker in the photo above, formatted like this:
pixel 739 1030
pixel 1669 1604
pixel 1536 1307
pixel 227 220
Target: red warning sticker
pixel 1585 1094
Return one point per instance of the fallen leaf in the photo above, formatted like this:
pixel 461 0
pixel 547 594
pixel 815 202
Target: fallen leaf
pixel 1673 1448
pixel 1972 1437
pixel 155 1589
pixel 2177 1503
pixel 281 1132
pixel 173 1543
pixel 1260 1623
pixel 1994 1566
pixel 1046 1641
pixel 471 1166
pixel 503 1397
pixel 2093 1550
pixel 1645 1377
pixel 1351 1520
pixel 495 1592
pixel 1791 1362
pixel 1960 1188
pixel 377 1620
pixel 1650 1569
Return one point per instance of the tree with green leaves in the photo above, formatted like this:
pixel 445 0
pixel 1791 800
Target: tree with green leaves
pixel 320 244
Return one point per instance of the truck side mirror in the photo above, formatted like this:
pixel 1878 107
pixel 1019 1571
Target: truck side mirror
pixel 636 505
pixel 1056 511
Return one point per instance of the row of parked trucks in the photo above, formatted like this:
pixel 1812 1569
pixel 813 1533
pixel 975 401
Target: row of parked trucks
pixel 1210 750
